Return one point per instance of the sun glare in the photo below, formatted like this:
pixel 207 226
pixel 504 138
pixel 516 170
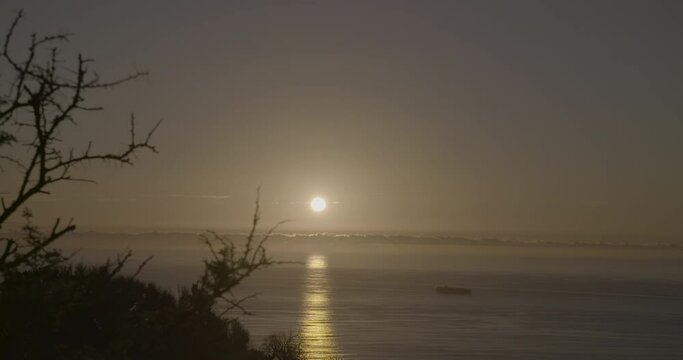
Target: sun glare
pixel 316 262
pixel 318 204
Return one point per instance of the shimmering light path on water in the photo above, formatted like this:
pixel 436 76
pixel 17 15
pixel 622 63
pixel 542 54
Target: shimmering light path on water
pixel 316 325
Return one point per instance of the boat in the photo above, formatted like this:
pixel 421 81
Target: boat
pixel 447 290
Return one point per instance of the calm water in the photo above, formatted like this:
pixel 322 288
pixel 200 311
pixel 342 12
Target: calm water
pixel 393 313
pixel 377 301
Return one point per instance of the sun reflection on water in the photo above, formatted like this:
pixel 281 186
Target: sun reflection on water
pixel 316 326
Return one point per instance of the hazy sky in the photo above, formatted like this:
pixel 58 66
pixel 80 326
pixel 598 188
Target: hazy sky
pixel 418 116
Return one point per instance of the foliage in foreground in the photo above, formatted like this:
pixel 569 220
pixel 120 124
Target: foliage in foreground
pixel 51 310
pixel 96 312
pixel 79 312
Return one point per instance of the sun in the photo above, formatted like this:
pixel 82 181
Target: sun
pixel 318 204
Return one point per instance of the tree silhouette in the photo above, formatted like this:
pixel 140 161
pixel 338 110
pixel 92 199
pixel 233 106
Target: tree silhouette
pixel 51 309
pixel 97 312
pixel 228 266
pixel 42 99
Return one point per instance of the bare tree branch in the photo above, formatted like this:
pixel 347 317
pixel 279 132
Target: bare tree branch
pixel 42 100
pixel 229 265
pixel 142 265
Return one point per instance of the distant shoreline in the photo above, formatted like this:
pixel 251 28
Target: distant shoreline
pixel 404 239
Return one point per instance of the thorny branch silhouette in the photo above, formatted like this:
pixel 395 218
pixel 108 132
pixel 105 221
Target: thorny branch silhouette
pixel 41 101
pixel 229 265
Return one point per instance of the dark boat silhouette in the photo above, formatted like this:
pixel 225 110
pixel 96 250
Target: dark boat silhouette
pixel 447 290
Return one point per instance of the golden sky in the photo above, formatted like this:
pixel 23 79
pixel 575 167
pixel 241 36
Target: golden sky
pixel 407 116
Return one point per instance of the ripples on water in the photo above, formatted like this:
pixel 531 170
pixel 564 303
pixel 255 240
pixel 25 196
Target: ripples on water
pixel 395 314
pixel 378 301
pixel 316 324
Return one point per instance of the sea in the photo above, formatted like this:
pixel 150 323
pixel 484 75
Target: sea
pixel 373 297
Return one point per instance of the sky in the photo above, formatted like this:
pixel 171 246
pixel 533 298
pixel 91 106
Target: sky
pixel 407 116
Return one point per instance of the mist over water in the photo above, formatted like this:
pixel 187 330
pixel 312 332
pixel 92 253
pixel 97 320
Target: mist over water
pixel 368 298
pixel 550 129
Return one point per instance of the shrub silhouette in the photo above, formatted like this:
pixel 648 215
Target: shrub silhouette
pixel 52 310
pixel 79 312
pixel 283 346
pixel 96 312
